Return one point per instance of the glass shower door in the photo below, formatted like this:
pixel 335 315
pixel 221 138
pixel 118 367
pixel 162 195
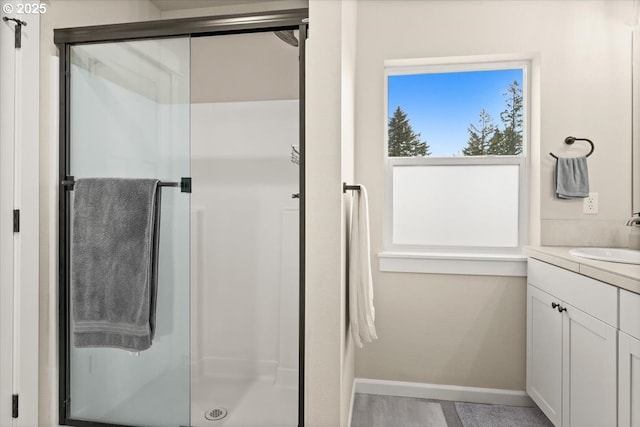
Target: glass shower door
pixel 130 119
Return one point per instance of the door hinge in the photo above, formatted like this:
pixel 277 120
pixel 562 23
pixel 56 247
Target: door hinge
pixel 16 220
pixel 14 406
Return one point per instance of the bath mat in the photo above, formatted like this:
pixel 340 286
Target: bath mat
pixel 370 410
pixel 479 415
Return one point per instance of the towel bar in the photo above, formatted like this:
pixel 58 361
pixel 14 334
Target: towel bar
pixel 346 187
pixel 184 184
pixel 571 139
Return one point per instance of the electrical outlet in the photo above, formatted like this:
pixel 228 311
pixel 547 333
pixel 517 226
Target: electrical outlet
pixel 590 206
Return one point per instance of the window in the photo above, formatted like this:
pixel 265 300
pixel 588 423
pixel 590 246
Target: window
pixel 456 175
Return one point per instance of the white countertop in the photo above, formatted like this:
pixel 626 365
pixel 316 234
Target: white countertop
pixel 625 276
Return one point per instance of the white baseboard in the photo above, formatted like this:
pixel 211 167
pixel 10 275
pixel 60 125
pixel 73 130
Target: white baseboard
pixel 443 392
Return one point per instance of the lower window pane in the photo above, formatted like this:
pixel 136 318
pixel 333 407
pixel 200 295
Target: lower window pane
pixel 456 205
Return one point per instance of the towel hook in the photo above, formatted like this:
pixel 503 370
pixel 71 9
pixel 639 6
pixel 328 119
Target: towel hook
pixel 571 139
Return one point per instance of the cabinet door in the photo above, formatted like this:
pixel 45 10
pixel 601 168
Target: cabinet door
pixel 628 381
pixel 589 371
pixel 544 353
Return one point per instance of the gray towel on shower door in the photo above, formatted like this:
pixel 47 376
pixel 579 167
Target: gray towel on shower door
pixel 114 252
pixel 572 178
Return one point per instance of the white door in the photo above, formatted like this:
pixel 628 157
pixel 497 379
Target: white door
pixel 544 353
pixel 628 381
pixel 19 189
pixel 589 371
pixel 6 220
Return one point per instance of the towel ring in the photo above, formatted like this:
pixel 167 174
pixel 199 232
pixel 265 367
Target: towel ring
pixel 571 139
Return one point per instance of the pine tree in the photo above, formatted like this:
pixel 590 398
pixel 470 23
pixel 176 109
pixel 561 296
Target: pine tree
pixel 481 138
pixel 403 141
pixel 511 117
pixel 497 143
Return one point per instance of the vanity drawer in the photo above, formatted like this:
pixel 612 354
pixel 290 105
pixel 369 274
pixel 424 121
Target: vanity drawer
pixel 591 296
pixel 630 313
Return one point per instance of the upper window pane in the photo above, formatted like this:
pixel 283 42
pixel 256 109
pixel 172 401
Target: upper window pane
pixel 451 114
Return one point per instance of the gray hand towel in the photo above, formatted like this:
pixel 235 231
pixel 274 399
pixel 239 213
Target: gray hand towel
pixel 116 226
pixel 572 178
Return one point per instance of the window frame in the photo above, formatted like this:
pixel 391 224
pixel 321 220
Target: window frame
pixel 399 257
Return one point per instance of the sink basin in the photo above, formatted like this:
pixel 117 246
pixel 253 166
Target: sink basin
pixel 626 256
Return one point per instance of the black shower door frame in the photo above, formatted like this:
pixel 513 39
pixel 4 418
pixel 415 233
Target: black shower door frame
pixel 293 19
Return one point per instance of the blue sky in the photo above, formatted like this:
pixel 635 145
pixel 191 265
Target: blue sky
pixel 441 106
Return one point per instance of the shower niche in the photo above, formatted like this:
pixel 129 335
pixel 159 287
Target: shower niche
pixel 225 107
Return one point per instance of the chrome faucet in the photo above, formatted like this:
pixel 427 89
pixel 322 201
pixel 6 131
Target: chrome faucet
pixel 634 220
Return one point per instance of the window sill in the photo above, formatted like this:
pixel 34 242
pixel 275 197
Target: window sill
pixel 454 263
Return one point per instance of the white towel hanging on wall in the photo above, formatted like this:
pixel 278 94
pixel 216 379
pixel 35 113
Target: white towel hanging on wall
pixel 361 309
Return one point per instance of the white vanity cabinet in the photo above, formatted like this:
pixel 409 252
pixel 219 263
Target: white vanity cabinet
pixel 544 353
pixel 571 346
pixel 629 360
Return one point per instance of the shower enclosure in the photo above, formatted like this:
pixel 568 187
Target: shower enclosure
pixel 173 100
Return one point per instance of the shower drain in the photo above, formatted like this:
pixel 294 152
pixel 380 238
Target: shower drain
pixel 215 414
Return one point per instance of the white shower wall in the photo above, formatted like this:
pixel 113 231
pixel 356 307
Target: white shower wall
pixel 244 241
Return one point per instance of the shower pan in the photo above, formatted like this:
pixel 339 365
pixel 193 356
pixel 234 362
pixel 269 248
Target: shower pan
pixel 142 100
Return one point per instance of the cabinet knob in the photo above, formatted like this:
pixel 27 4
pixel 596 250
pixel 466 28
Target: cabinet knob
pixel 561 308
pixel 554 305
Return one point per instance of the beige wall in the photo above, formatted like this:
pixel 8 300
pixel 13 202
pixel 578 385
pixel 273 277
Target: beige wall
pixel 454 330
pixel 470 330
pixel 329 120
pixel 243 67
pixel 348 95
pixel 587 90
